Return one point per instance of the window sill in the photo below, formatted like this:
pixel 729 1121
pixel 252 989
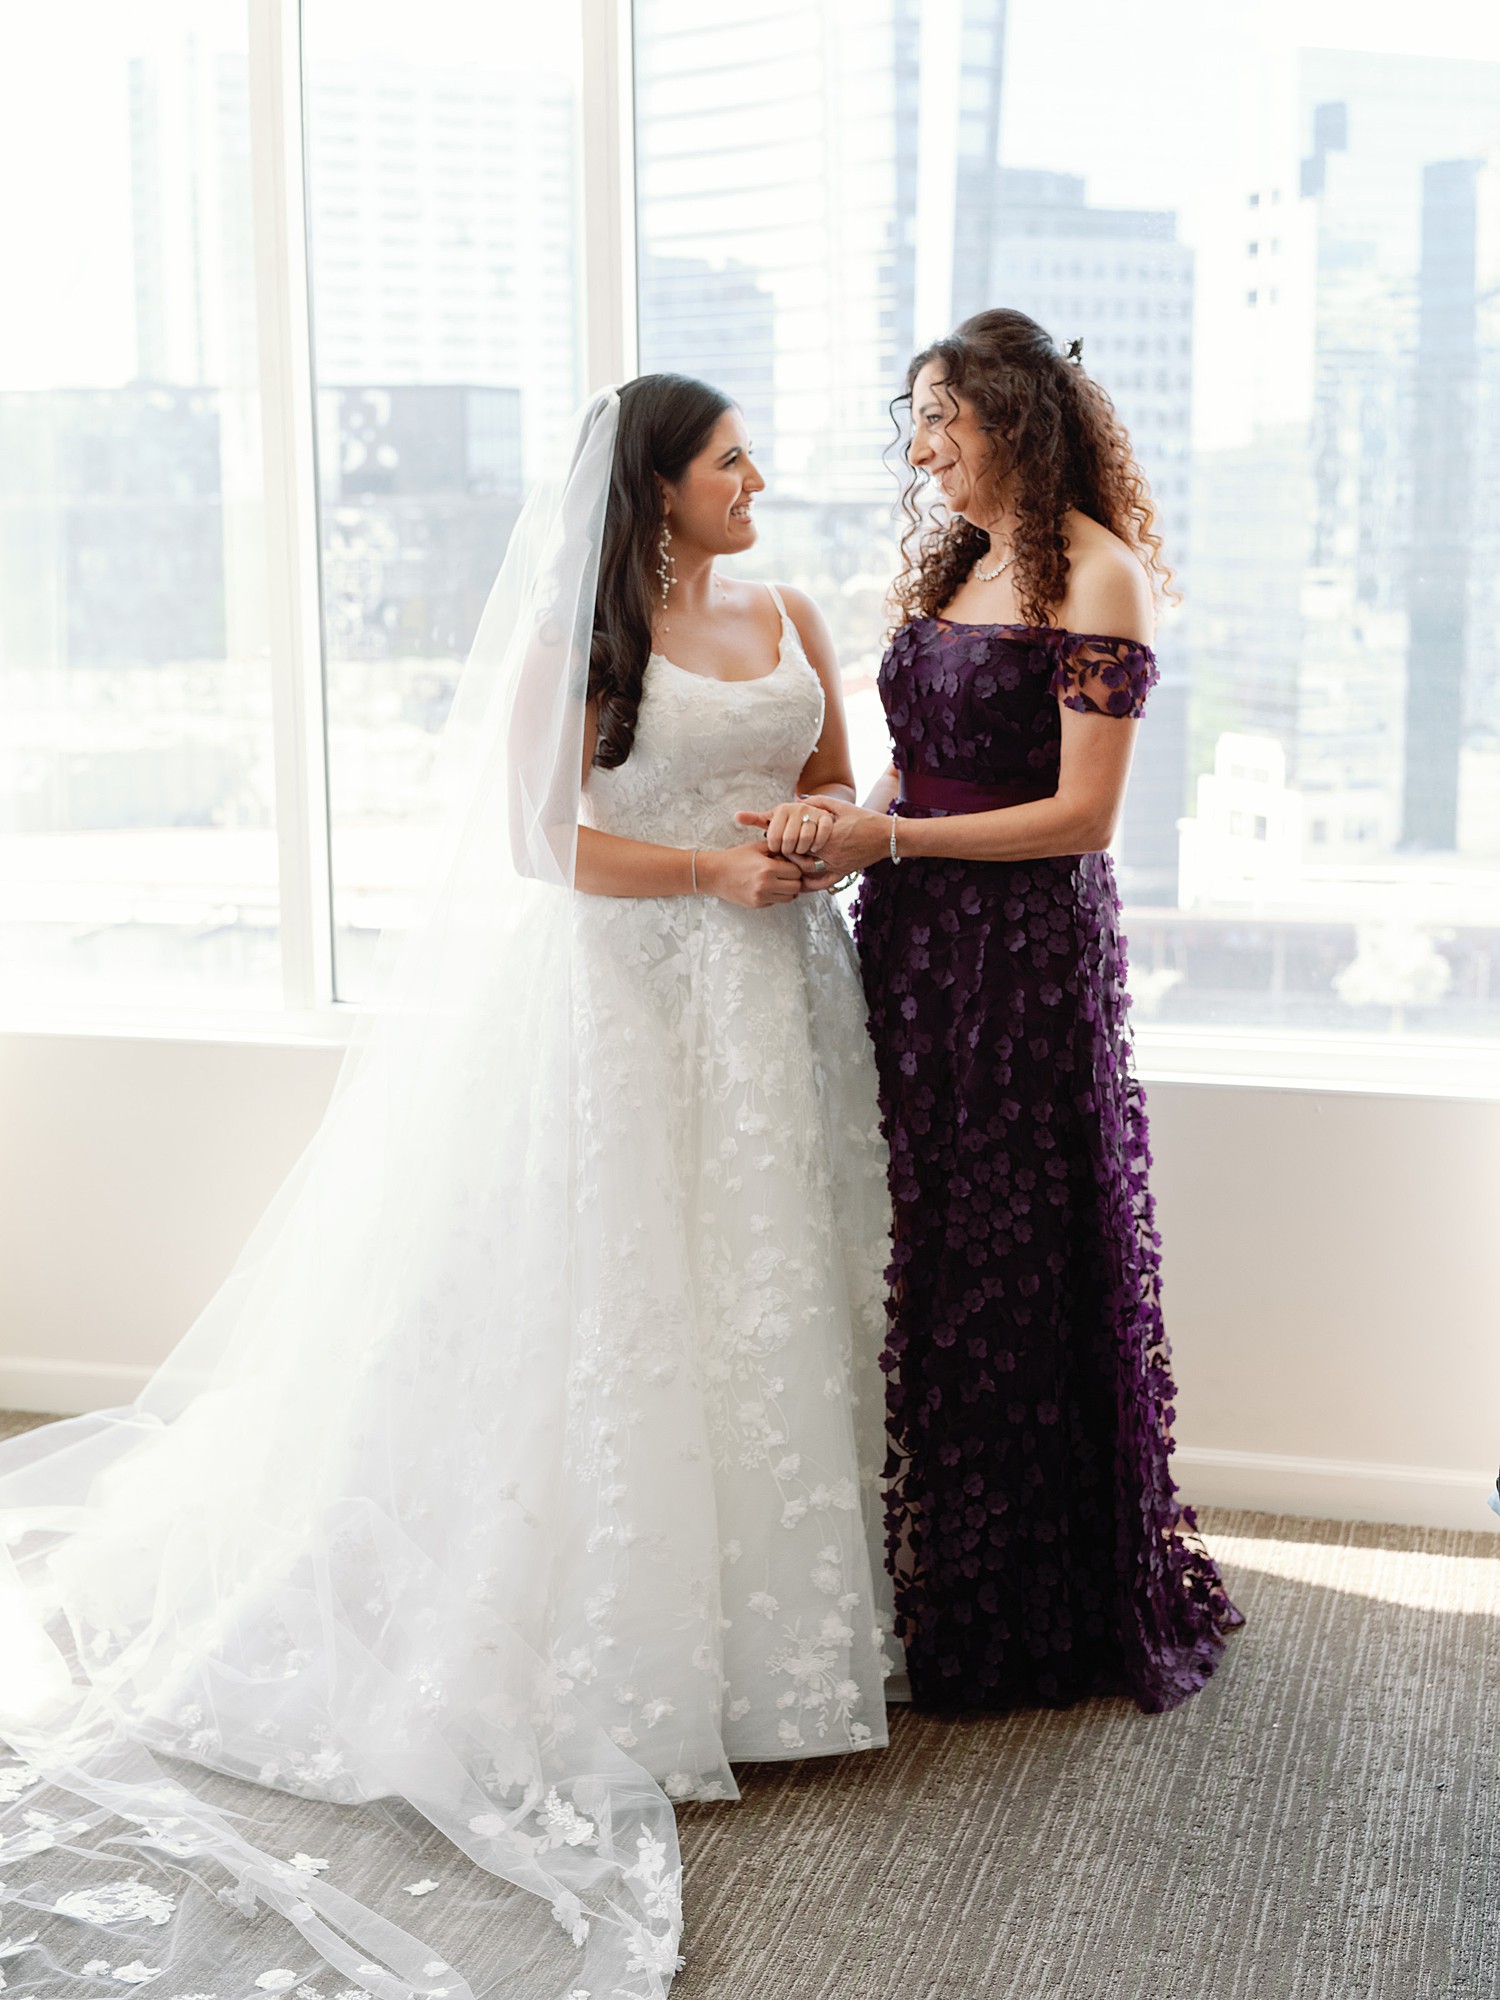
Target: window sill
pixel 1228 1058
pixel 1364 1065
pixel 320 1027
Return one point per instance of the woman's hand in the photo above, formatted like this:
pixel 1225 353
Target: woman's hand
pixel 797 828
pixel 851 837
pixel 748 876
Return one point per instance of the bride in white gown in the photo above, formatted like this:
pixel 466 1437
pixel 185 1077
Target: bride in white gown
pixel 525 1469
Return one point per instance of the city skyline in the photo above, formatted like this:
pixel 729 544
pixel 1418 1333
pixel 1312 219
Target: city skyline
pixel 1260 316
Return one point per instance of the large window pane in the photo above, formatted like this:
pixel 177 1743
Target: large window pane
pixel 1288 287
pixel 137 843
pixel 444 210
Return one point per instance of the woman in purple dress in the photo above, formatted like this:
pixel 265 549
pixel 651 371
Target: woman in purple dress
pixel 1039 1549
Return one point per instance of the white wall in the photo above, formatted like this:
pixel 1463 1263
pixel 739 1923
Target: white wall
pixel 1329 1265
pixel 131 1171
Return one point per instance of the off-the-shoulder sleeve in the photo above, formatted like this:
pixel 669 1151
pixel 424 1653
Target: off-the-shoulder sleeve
pixel 1102 676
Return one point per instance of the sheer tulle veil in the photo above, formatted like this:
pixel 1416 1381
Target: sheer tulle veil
pixel 318 1553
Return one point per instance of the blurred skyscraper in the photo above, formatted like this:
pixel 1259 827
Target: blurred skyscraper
pixel 799 283
pixel 777 189
pixel 1442 503
pixel 1331 602
pixel 420 486
pixel 426 267
pixel 190 216
pixel 1120 280
pixel 977 178
pixel 714 320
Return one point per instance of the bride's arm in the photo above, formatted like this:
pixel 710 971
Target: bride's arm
pixel 609 865
pixel 829 771
pixel 883 791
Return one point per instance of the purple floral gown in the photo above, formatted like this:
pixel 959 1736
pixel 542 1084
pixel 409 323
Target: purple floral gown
pixel 1039 1551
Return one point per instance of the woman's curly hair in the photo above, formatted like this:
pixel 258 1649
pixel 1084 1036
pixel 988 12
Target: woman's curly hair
pixel 1052 426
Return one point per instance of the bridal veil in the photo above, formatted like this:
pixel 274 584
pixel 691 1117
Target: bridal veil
pixel 316 1554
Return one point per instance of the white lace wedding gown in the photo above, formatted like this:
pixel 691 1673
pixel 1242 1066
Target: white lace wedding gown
pixel 734 1179
pixel 530 1455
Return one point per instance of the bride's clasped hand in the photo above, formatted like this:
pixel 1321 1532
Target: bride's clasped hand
pixel 750 875
pixel 843 836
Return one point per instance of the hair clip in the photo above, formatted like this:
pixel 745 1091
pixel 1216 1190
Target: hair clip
pixel 1075 349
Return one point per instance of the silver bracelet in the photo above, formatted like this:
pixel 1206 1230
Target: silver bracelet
pixel 895 821
pixel 695 870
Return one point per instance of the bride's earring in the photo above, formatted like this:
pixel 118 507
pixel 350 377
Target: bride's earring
pixel 666 568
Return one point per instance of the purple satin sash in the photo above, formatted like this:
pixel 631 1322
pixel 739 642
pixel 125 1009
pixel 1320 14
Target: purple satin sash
pixel 957 795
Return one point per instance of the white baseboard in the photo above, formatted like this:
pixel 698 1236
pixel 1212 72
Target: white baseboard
pixel 1335 1489
pixel 1331 1489
pixel 68 1388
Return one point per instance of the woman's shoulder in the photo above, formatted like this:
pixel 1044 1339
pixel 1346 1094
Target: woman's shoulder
pixel 798 604
pixel 812 628
pixel 1108 588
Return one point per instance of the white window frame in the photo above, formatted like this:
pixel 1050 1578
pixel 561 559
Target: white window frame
pixel 288 447
pixel 288 434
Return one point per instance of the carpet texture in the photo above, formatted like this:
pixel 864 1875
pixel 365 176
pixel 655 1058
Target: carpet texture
pixel 1321 1823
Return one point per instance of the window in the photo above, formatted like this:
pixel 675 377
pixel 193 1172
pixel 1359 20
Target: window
pixel 1327 624
pixel 819 190
pixel 444 380
pixel 138 851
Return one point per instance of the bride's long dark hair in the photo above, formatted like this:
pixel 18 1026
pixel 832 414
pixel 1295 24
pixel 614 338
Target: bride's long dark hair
pixel 665 421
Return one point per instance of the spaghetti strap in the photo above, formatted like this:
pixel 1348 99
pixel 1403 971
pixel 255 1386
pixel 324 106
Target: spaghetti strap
pixel 776 600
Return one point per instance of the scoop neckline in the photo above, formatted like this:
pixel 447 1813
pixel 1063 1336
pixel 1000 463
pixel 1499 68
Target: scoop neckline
pixel 745 680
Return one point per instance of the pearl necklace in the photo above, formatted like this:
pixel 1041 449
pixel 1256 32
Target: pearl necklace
pixel 989 575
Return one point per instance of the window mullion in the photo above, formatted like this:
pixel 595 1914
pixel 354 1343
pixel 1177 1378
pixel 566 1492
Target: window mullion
pixel 288 445
pixel 609 289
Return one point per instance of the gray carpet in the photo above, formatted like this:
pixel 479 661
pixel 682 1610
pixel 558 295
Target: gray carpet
pixel 1321 1823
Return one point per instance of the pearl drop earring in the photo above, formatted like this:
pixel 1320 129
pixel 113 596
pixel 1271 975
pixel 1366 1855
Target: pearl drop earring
pixel 666 567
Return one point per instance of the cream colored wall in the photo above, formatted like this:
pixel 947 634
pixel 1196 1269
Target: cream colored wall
pixel 131 1171
pixel 1331 1289
pixel 1330 1282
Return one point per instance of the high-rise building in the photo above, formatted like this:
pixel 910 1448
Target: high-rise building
pixel 114 496
pixel 1121 281
pixel 1479 789
pixel 976 175
pixel 1442 497
pixel 1324 633
pixel 191 223
pixel 443 214
pixel 420 486
pixel 714 320
pixel 777 157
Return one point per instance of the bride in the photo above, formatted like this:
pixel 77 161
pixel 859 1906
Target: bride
pixel 522 1475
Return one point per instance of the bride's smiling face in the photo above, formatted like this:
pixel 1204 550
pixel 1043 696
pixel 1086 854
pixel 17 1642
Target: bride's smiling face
pixel 949 444
pixel 710 506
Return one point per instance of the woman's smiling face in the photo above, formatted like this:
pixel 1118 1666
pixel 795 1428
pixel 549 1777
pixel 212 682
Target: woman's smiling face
pixel 710 506
pixel 951 447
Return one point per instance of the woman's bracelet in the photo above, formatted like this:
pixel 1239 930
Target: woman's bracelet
pixel 694 860
pixel 895 822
